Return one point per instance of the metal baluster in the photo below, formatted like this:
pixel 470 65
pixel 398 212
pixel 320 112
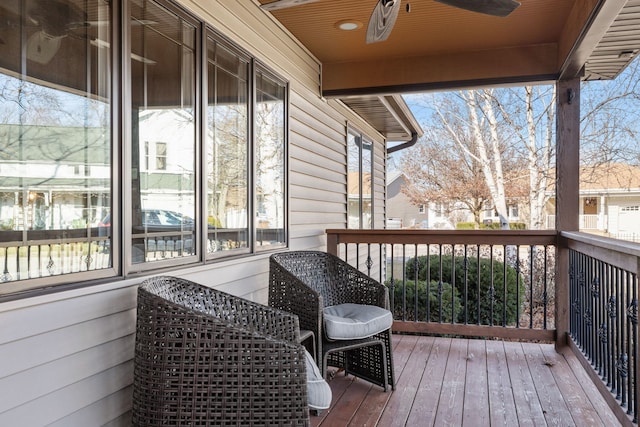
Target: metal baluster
pixel 392 283
pixel 597 321
pixel 588 310
pixel 491 289
pixel 504 285
pixel 629 314
pixel 404 283
pixel 531 260
pixel 453 282
pixel 381 261
pixel 517 287
pixel 415 284
pixel 466 286
pixel 545 296
pixel 479 280
pixel 427 278
pixel 440 286
pixel 634 335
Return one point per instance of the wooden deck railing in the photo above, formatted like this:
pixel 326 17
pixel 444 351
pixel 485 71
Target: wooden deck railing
pixel 523 289
pixel 503 284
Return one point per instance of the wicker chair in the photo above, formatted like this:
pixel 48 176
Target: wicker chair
pixel 305 282
pixel 204 357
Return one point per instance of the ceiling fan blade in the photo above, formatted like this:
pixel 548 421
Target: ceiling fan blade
pixel 500 8
pixel 41 47
pixel 107 45
pixel 283 4
pixel 382 20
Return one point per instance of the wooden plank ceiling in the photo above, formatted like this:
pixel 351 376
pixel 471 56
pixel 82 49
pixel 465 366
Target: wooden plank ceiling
pixel 435 46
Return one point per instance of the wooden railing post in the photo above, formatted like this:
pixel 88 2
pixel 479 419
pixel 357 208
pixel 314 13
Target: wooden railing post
pixel 332 243
pixel 567 192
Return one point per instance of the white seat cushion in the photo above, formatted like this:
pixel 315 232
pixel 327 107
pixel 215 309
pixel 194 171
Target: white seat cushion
pixel 355 321
pixel 318 391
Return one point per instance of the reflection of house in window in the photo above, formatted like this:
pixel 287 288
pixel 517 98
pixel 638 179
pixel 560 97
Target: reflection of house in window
pixel 161 156
pixel 155 156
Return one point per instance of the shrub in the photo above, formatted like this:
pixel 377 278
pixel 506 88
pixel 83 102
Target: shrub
pixel 466 226
pixel 491 303
pixel 439 301
pixel 492 226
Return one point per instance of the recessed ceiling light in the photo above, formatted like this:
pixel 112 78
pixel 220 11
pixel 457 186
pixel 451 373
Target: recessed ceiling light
pixel 348 25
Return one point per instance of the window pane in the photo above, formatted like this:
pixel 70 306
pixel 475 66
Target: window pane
pixel 163 158
pixel 353 180
pixel 228 119
pixel 367 184
pixel 55 140
pixel 270 161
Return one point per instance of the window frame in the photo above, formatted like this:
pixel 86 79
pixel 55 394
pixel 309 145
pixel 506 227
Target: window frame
pixel 121 143
pixel 361 139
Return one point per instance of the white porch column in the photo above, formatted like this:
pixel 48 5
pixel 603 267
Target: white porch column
pixel 602 224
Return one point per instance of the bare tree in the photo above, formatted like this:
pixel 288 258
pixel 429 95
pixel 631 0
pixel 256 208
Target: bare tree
pixel 508 135
pixel 478 167
pixel 445 174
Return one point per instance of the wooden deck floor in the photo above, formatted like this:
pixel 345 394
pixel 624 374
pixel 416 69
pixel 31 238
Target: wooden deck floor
pixel 475 383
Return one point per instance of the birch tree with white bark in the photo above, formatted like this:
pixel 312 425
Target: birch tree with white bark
pixel 510 134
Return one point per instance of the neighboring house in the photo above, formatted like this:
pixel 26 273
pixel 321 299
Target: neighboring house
pixel 514 208
pixel 402 213
pixel 609 201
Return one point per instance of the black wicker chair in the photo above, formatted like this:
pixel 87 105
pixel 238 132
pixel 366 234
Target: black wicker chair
pixel 305 282
pixel 204 357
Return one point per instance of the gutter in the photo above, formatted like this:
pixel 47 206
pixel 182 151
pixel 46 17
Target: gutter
pixel 410 143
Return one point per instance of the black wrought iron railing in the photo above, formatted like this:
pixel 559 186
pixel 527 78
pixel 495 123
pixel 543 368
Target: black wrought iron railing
pixel 603 282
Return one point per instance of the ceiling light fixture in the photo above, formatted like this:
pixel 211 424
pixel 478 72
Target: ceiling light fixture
pixel 349 25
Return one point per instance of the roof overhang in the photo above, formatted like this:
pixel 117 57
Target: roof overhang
pixel 437 47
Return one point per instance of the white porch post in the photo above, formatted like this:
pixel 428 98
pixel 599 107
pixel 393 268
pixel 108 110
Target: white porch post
pixel 567 192
pixel 601 214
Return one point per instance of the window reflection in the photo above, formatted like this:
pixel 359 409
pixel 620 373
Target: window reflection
pixel 359 181
pixel 270 161
pixel 163 134
pixel 227 141
pixel 353 180
pixel 55 142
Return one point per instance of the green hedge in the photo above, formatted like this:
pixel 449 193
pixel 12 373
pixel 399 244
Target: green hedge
pixel 493 226
pixel 488 304
pixel 439 301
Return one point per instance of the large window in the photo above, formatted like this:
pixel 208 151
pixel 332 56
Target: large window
pixel 55 142
pixel 180 159
pixel 227 144
pixel 270 134
pixel 359 180
pixel 163 104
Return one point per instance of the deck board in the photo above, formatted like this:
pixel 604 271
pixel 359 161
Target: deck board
pixel 460 382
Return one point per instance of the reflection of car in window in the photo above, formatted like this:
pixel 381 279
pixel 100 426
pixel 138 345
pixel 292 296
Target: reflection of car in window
pixel 157 218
